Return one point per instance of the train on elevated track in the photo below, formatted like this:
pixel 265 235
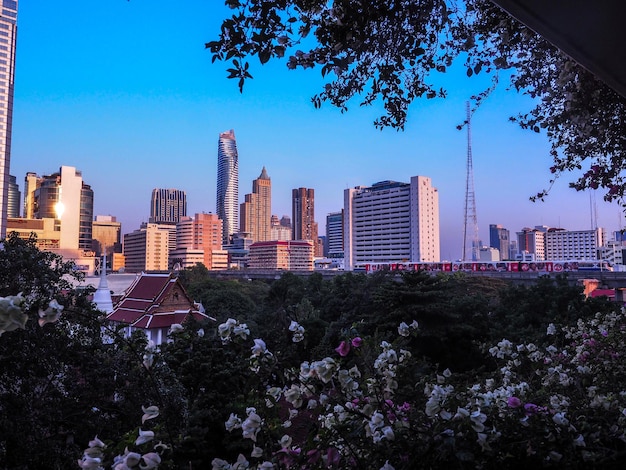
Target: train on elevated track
pixel 546 267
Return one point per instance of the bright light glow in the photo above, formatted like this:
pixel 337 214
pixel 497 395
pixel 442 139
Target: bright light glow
pixel 59 208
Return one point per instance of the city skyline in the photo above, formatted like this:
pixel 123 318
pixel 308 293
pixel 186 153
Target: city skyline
pixel 131 121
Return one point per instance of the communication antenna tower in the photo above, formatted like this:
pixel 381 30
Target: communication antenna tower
pixel 470 198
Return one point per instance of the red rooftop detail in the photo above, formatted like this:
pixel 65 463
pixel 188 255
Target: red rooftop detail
pixel 153 303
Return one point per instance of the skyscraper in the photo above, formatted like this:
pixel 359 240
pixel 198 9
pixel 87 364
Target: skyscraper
pixel 255 213
pixel 499 238
pixel 228 184
pixel 167 206
pixel 391 222
pixel 8 36
pixel 303 214
pixel 65 197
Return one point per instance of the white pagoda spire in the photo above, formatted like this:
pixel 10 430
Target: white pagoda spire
pixel 102 296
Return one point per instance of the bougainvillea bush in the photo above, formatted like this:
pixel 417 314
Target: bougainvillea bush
pixel 373 405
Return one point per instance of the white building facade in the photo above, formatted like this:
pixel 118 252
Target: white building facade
pixel 391 222
pixel 574 244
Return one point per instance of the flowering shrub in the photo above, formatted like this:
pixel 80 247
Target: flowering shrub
pixel 561 405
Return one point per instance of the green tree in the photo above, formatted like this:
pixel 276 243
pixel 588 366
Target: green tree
pixel 395 51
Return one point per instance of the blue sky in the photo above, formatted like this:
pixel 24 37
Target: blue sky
pixel 126 92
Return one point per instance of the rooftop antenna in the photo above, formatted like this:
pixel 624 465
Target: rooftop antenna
pixel 470 198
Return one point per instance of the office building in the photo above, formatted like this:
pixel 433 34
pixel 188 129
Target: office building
pixel 228 185
pixel 64 197
pixel 561 244
pixel 499 239
pixel 13 198
pixel 199 240
pixel 532 241
pixel 106 234
pixel 167 206
pixel 255 216
pixel 8 37
pixel 147 248
pixel 391 222
pixel 291 255
pixel 334 235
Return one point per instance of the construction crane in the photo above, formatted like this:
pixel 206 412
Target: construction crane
pixel 470 198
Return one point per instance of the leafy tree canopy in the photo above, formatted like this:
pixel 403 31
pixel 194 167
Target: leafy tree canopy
pixel 392 51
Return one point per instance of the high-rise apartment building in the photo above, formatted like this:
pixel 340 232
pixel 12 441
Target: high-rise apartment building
pixel 199 240
pixel 167 206
pixel 13 198
pixel 65 197
pixel 8 37
pixel 147 249
pixel 499 239
pixel 228 184
pixel 303 217
pixel 255 216
pixel 303 214
pixel 391 222
pixel 334 235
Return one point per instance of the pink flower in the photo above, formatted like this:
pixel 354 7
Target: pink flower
pixel 514 402
pixel 357 341
pixel 343 349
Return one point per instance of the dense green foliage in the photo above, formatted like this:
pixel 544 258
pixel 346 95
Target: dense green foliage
pixel 61 384
pixel 395 52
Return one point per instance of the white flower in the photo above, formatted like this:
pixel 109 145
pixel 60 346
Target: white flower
pixel 294 396
pixel 551 329
pixel 90 463
pixel 259 347
pixel 241 330
pixel 200 333
pixel 266 466
pixel 11 315
pixel 233 422
pixel 560 419
pixel 285 441
pixel 175 328
pixel 387 466
pixel 298 331
pixel 403 329
pixel 149 413
pixel 241 463
pixel 131 459
pixel 51 314
pixel 219 464
pixel 251 425
pixel 144 436
pixel 96 443
pixel 256 452
pixel 151 461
